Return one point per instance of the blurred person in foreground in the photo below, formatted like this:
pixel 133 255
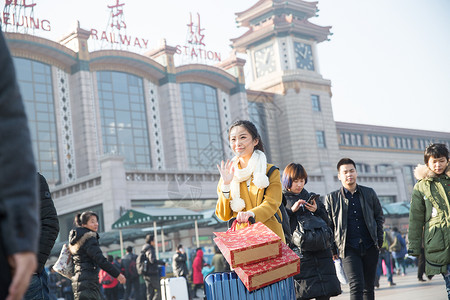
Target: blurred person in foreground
pixel 19 215
pixel 38 288
pixel 429 215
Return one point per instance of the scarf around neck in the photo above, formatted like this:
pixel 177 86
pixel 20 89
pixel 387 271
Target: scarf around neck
pixel 256 167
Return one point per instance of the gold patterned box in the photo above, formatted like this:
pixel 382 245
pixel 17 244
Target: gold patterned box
pixel 249 245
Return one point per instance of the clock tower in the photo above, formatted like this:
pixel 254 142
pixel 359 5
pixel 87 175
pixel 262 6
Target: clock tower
pixel 281 46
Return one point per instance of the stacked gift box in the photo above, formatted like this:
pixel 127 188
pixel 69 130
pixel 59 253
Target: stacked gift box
pixel 257 255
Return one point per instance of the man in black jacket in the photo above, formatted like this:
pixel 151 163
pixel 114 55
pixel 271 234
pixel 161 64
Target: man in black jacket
pixel 357 221
pixel 129 266
pixel 152 277
pixel 19 227
pixel 38 288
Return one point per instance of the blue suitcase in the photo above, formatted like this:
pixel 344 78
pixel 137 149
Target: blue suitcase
pixel 228 286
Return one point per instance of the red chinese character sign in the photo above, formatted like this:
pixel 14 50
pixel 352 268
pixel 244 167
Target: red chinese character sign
pixel 195 50
pixel 18 16
pixel 115 35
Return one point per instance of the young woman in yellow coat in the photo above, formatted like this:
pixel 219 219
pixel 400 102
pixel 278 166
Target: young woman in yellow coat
pixel 243 180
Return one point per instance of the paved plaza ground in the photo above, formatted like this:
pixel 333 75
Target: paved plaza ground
pixel 408 288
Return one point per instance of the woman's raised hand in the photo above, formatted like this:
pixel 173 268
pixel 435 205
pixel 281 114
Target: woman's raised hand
pixel 226 170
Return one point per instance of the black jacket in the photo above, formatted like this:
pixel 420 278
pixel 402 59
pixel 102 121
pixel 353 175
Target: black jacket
pixel 179 264
pixel 317 275
pixel 87 259
pixel 337 207
pixel 153 269
pixel 19 210
pixel 49 224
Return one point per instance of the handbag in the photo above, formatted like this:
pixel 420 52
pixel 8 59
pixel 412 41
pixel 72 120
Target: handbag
pixel 64 264
pixel 340 271
pixel 312 233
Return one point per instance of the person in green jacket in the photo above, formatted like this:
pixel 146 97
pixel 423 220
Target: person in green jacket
pixel 430 212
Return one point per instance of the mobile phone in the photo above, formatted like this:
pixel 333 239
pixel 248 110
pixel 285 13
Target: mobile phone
pixel 313 197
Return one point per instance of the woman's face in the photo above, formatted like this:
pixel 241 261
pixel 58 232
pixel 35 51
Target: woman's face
pixel 297 186
pixel 91 224
pixel 242 142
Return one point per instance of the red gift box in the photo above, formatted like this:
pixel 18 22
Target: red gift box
pixel 249 245
pixel 261 274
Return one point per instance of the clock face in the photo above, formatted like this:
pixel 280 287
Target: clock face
pixel 264 61
pixel 303 56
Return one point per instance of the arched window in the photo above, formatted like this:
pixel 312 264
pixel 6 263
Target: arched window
pixel 123 118
pixel 201 125
pixel 35 83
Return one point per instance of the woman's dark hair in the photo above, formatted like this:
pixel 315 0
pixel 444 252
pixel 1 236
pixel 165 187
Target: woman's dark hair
pixel 149 238
pixel 291 173
pixel 83 218
pixel 251 128
pixel 436 151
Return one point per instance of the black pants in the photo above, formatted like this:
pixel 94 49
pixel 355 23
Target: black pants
pixel 360 265
pixel 132 285
pixel 153 287
pixel 421 264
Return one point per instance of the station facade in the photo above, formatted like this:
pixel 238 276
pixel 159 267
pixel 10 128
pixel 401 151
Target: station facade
pixel 114 130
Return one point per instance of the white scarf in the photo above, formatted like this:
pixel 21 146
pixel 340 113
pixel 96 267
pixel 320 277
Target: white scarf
pixel 257 166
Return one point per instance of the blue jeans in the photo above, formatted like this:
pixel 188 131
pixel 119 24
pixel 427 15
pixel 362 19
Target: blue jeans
pixel 386 256
pixel 38 288
pixel 360 265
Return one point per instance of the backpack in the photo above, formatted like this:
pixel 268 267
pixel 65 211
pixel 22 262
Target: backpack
pixel 132 271
pixel 312 233
pixel 285 221
pixel 107 279
pixel 142 263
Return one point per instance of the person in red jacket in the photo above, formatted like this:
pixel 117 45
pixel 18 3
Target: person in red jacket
pixel 197 276
pixel 109 283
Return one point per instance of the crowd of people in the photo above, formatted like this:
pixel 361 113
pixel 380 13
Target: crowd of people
pixel 352 214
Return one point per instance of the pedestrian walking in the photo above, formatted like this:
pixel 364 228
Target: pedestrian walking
pixel 197 276
pixel 88 258
pixel 398 250
pixel 129 267
pixel 357 222
pixel 219 262
pixel 429 213
pixel 49 224
pixel 152 276
pixel 317 277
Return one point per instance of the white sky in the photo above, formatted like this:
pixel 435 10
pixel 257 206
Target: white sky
pixel 388 60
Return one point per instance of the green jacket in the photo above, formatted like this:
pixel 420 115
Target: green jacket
pixel 429 217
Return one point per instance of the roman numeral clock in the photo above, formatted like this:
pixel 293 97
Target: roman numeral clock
pixel 303 56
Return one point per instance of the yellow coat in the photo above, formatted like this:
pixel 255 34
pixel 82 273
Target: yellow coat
pixel 264 210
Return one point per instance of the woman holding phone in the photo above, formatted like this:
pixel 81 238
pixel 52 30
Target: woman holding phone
pixel 317 278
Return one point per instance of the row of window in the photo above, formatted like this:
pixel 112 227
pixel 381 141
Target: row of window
pixel 123 118
pixel 384 141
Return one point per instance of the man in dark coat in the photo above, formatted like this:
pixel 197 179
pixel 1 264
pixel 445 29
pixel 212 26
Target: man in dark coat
pixel 357 222
pixel 38 288
pixel 19 227
pixel 152 277
pixel 129 267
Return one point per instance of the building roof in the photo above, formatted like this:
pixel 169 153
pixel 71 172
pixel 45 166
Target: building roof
pixel 144 217
pixel 396 209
